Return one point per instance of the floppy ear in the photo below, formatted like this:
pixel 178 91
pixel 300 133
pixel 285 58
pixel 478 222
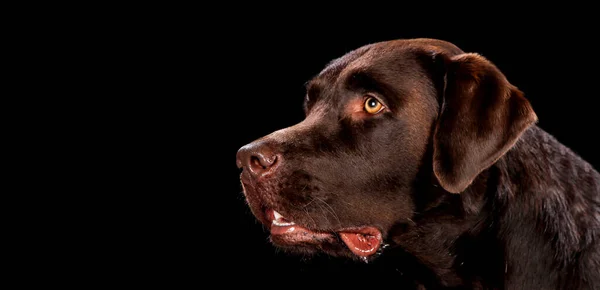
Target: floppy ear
pixel 482 116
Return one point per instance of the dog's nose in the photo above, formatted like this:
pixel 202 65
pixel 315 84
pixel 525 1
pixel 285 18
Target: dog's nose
pixel 258 158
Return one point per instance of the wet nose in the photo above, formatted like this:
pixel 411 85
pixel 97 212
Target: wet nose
pixel 258 158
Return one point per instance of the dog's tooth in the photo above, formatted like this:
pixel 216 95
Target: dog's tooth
pixel 280 221
pixel 282 224
pixel 277 215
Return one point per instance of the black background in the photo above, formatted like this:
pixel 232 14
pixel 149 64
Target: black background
pixel 213 87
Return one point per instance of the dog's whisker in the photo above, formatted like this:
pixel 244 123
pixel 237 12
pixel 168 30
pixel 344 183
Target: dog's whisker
pixel 308 203
pixel 323 211
pixel 310 217
pixel 330 209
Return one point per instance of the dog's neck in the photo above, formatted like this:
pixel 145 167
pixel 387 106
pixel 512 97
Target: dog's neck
pixel 449 238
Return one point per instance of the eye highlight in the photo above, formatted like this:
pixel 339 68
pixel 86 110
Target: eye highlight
pixel 372 105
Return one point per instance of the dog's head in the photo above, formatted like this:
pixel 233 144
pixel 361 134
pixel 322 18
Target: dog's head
pixel 377 119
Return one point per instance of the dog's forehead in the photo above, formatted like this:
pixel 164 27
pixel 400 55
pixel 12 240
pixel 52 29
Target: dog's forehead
pixel 396 65
pixel 381 56
pixel 338 71
pixel 381 53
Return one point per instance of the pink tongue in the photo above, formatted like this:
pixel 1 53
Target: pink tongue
pixel 362 245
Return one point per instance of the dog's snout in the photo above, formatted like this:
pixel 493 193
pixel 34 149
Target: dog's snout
pixel 258 158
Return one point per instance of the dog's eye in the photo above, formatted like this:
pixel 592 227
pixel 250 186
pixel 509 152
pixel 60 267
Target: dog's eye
pixel 373 106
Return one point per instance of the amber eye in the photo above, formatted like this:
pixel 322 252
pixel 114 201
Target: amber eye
pixel 373 106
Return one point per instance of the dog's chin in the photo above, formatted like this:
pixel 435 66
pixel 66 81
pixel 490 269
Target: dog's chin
pixel 329 247
pixel 356 242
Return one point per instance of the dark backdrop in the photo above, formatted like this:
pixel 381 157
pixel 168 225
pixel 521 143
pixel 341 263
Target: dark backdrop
pixel 220 90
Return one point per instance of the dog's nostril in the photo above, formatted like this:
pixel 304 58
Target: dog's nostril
pixel 257 158
pixel 261 163
pixel 255 162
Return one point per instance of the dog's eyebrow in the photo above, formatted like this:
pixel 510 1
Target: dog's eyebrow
pixel 368 81
pixel 364 80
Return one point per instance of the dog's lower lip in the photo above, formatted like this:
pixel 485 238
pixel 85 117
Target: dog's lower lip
pixel 363 241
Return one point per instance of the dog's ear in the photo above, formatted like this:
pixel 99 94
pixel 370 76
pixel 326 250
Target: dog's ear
pixel 481 117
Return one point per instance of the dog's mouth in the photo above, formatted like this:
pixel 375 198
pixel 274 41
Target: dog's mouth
pixel 362 241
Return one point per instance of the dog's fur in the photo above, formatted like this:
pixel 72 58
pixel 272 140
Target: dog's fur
pixel 467 191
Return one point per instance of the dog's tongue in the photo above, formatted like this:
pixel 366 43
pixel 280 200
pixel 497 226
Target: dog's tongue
pixel 363 243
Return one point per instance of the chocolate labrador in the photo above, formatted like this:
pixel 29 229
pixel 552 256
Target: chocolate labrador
pixel 415 146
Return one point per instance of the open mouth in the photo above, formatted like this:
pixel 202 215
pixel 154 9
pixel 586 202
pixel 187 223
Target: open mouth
pixel 362 241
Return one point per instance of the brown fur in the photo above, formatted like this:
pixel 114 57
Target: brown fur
pixel 527 215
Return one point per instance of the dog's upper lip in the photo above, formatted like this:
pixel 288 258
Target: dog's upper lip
pixel 245 178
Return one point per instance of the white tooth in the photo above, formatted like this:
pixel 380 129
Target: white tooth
pixel 282 224
pixel 279 220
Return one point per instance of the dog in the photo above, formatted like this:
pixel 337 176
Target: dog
pixel 419 153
